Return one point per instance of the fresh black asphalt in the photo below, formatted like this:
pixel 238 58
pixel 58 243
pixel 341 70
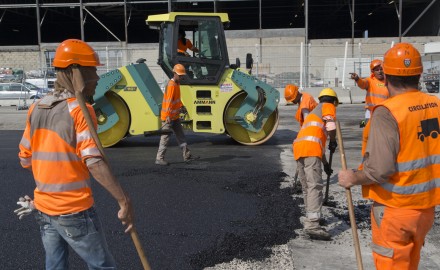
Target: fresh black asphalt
pixel 226 205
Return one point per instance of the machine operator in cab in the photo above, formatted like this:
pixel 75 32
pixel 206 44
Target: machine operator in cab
pixel 184 44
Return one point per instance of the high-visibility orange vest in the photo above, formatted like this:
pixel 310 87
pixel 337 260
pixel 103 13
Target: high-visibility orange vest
pixel 182 48
pixel 56 142
pixel 415 184
pixel 307 102
pixel 171 103
pixel 312 136
pixel 377 92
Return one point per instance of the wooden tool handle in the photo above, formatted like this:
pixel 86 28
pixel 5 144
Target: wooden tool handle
pixel 349 201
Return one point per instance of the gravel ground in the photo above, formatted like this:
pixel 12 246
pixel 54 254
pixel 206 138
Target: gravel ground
pixel 300 252
pixel 304 253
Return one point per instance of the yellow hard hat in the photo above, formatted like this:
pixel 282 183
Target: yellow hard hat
pixel 330 93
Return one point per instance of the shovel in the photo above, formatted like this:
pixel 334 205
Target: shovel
pixel 357 247
pixel 328 178
pixel 133 233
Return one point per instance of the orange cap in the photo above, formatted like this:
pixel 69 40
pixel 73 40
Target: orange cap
pixel 75 51
pixel 375 63
pixel 290 92
pixel 179 69
pixel 402 60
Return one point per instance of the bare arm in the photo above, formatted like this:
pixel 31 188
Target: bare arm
pixel 381 152
pixel 102 173
pixel 349 178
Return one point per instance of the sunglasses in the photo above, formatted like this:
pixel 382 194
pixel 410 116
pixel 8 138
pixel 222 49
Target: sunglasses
pixel 379 68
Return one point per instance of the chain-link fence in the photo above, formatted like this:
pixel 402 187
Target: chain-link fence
pixel 312 65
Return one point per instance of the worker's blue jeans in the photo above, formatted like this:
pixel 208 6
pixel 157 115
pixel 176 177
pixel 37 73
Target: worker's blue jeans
pixel 82 232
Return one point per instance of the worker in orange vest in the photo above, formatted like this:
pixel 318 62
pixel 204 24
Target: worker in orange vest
pixel 184 44
pixel 309 152
pixel 170 115
pixel 57 147
pixel 306 103
pixel 377 92
pixel 399 170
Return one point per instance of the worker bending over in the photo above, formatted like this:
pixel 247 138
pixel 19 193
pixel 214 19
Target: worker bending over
pixel 57 147
pixel 400 171
pixel 306 103
pixel 309 152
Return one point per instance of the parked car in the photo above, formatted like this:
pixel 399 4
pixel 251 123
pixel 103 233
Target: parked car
pixel 432 82
pixel 45 83
pixel 20 91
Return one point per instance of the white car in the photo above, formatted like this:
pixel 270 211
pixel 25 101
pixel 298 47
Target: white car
pixel 13 90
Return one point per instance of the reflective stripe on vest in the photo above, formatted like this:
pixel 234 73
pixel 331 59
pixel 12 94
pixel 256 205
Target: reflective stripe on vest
pixel 418 164
pixel 61 187
pixel 171 102
pixel 25 142
pixel 416 183
pixel 310 139
pixel 85 135
pixel 26 162
pixel 413 189
pixel 57 137
pixel 72 105
pixel 314 124
pixel 55 156
pixel 92 151
pixel 376 93
pixel 312 136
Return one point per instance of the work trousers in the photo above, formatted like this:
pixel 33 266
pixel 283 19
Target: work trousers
pixel 310 175
pixel 82 232
pixel 177 128
pixel 398 236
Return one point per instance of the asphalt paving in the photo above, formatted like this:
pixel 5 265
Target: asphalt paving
pixel 234 208
pixel 226 205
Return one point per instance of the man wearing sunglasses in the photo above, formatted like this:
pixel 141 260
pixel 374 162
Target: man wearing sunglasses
pixel 377 92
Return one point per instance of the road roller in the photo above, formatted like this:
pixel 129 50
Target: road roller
pixel 219 97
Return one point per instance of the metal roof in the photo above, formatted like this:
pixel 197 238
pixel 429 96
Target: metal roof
pixel 106 20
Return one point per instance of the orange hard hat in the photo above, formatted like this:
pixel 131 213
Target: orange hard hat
pixel 375 63
pixel 290 92
pixel 75 51
pixel 402 60
pixel 179 69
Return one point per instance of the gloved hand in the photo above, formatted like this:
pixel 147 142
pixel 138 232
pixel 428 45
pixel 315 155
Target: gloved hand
pixel 332 146
pixel 327 169
pixel 27 206
pixel 183 110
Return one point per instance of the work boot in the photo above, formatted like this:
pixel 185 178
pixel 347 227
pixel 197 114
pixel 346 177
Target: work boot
pixel 190 158
pixel 318 234
pixel 161 162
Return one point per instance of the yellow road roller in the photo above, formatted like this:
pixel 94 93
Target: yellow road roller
pixel 220 97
